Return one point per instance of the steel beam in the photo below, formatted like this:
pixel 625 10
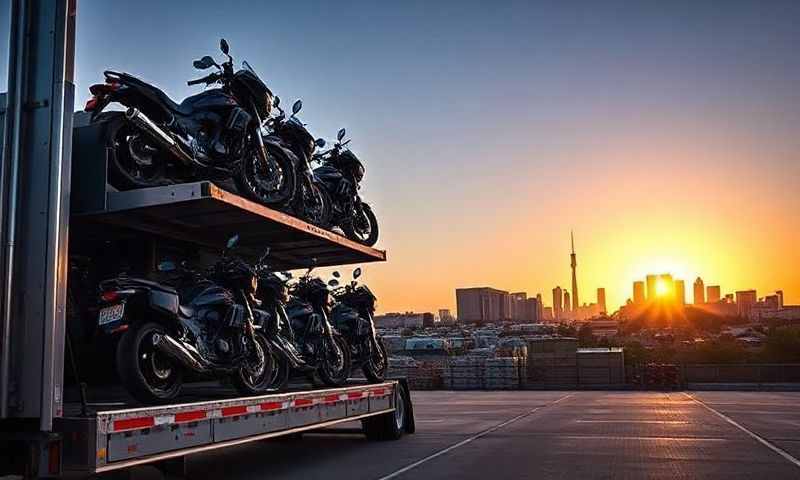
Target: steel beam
pixel 34 208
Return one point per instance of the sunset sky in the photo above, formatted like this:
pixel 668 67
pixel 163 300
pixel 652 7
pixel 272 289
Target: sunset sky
pixel 666 134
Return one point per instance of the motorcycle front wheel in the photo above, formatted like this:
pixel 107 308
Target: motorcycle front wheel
pixel 314 205
pixel 147 374
pixel 257 370
pixel 273 185
pixel 280 377
pixel 336 366
pixel 363 228
pixel 375 367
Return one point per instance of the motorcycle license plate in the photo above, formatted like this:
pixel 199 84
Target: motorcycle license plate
pixel 111 314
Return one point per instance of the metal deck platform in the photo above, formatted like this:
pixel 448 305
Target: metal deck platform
pixel 117 438
pixel 205 214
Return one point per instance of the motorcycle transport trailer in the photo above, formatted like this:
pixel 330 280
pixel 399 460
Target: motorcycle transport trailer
pixel 56 204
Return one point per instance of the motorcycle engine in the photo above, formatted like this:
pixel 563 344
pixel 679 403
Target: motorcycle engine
pixel 217 141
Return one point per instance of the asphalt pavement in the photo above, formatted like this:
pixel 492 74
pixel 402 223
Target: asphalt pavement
pixel 546 435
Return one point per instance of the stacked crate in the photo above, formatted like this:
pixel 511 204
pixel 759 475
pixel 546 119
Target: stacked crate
pixel 464 373
pixel 552 361
pixel 601 366
pixel 503 373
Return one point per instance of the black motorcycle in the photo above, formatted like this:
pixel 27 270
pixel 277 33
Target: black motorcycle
pixel 204 327
pixel 352 315
pixel 214 135
pixel 320 345
pixel 341 174
pixel 310 201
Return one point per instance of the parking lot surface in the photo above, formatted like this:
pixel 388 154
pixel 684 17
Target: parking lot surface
pixel 534 434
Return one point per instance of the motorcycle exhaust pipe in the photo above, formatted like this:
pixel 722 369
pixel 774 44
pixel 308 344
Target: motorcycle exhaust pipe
pixel 135 116
pixel 173 349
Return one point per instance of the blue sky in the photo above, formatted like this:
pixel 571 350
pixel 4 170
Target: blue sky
pixel 489 129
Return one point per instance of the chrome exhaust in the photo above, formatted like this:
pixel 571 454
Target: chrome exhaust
pixel 175 350
pixel 135 116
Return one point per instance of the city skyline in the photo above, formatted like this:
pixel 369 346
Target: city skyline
pixel 669 145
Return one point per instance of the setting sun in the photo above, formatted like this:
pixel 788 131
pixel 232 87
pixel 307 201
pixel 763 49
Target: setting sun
pixel 662 289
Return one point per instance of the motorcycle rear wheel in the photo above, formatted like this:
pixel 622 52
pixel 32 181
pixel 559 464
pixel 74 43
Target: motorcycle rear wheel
pixel 335 375
pixel 135 160
pixel 375 368
pixel 147 374
pixel 252 378
pixel 274 188
pixel 363 230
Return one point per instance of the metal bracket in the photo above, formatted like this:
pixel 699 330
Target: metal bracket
pixel 33 105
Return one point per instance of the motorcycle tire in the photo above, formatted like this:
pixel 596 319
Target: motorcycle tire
pixel 271 192
pixel 280 379
pixel 317 213
pixel 130 152
pixel 248 384
pixel 376 372
pixel 147 375
pixel 336 377
pixel 368 237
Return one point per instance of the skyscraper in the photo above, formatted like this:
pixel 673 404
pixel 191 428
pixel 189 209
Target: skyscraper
pixel 651 286
pixel 745 300
pixel 638 292
pixel 567 308
pixel 558 302
pixel 712 293
pixel 601 300
pixel 680 292
pixel 540 313
pixel 668 285
pixel 699 292
pixel 573 263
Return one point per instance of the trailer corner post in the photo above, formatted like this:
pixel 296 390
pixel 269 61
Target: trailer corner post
pixel 35 209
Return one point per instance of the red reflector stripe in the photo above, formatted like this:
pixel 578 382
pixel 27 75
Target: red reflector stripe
pixel 379 392
pixel 271 406
pixel 134 423
pixel 190 416
pixel 303 402
pixel 331 398
pixel 355 394
pixel 228 411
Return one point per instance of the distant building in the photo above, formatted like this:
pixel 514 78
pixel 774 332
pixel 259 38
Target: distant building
pixel 638 292
pixel 651 286
pixel 668 285
pixel 531 311
pixel 482 305
pixel 601 300
pixel 567 310
pixel 517 313
pixel 558 303
pixel 427 320
pixel 400 320
pixel 540 313
pixel 699 292
pixel 547 314
pixel 745 301
pixel 712 293
pixel 445 317
pixel 680 292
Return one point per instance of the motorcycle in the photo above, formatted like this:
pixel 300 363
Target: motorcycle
pixel 321 346
pixel 352 314
pixel 340 174
pixel 214 135
pixel 205 327
pixel 310 202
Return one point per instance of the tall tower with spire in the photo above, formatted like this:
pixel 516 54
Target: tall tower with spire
pixel 573 263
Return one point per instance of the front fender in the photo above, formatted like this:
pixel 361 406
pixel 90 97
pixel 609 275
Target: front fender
pixel 277 142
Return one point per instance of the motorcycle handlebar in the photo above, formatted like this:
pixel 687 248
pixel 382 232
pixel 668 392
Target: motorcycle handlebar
pixel 210 78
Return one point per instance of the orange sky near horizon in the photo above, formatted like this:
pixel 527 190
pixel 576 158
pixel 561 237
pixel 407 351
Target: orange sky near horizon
pixel 706 208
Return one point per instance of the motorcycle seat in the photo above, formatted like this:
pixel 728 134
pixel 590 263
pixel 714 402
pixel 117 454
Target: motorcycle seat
pixel 183 108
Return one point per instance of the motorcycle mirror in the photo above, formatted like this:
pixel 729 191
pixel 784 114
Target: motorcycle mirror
pixel 232 241
pixel 264 255
pixel 223 45
pixel 320 142
pixel 333 282
pixel 297 106
pixel 166 266
pixel 340 135
pixel 336 274
pixel 276 101
pixel 204 63
pixel 357 272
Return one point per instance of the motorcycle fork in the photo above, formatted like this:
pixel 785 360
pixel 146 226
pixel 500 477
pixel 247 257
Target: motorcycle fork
pixel 262 149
